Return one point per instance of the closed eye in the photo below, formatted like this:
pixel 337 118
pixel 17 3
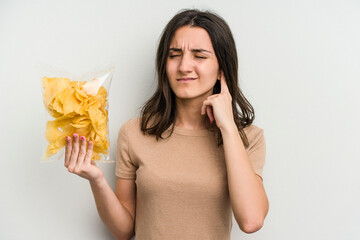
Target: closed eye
pixel 172 56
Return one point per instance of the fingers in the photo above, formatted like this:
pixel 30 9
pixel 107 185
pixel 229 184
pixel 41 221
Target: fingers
pixel 203 107
pixel 224 87
pixel 212 96
pixel 74 153
pixel 207 108
pixel 89 152
pixel 68 149
pixel 82 152
pixel 210 114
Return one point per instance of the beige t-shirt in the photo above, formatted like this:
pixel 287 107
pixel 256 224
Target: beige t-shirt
pixel 181 181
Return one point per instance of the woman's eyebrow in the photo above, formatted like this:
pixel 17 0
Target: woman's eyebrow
pixel 196 50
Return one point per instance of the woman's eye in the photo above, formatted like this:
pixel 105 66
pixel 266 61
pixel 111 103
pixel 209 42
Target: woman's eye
pixel 200 57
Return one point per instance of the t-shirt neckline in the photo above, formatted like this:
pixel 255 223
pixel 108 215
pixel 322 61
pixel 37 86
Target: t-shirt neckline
pixel 191 132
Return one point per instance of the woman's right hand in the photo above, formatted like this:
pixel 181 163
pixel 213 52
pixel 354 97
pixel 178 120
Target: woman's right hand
pixel 78 161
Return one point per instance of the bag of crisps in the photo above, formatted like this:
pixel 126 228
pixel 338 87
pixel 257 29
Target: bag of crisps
pixel 76 105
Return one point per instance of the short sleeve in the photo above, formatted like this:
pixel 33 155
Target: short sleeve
pixel 125 168
pixel 257 151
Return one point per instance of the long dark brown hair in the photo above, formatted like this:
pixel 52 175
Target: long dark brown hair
pixel 158 113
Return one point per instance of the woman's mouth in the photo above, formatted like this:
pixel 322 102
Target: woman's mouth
pixel 185 79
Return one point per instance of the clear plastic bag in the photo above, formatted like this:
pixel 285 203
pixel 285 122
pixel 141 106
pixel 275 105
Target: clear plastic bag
pixel 76 104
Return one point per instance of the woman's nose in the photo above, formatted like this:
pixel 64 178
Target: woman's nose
pixel 186 64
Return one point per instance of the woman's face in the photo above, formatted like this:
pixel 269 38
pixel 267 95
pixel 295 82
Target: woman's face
pixel 192 67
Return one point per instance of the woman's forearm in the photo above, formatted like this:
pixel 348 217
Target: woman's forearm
pixel 114 215
pixel 247 193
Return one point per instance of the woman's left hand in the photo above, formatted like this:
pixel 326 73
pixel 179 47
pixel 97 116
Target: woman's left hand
pixel 218 106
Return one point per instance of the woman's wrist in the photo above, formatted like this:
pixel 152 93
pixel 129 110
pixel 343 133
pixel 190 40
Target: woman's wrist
pixel 229 129
pixel 98 181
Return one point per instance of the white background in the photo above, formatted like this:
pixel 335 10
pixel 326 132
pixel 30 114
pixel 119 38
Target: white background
pixel 299 66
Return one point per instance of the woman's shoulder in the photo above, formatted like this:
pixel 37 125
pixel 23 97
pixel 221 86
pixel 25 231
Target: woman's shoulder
pixel 132 129
pixel 253 132
pixel 131 124
pixel 253 128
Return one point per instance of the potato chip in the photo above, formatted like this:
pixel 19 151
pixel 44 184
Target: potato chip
pixel 98 120
pixel 52 87
pixel 55 137
pixel 75 111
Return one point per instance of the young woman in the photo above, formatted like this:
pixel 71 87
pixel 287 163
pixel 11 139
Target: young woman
pixel 192 157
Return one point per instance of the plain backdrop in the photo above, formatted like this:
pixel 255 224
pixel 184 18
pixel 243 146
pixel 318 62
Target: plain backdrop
pixel 299 67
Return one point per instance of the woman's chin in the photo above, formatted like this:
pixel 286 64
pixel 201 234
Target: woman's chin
pixel 186 96
pixel 192 95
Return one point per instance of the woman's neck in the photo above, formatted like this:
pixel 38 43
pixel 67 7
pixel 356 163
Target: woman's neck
pixel 188 115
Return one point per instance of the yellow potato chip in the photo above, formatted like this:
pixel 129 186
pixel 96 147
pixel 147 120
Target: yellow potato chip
pixel 98 120
pixel 54 109
pixel 55 137
pixel 80 94
pixel 52 87
pixel 57 106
